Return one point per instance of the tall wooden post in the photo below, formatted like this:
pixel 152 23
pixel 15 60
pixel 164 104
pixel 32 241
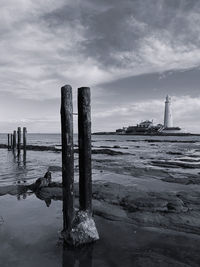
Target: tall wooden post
pixel 11 141
pixel 19 139
pixel 14 140
pixel 67 158
pixel 24 139
pixel 84 140
pixel 8 141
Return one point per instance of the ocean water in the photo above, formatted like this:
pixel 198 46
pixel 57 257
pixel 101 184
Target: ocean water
pixel 138 156
pixel 30 231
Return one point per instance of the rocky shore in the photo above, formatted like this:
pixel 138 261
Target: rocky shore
pixel 102 150
pixel 171 207
pixel 175 210
pixel 161 213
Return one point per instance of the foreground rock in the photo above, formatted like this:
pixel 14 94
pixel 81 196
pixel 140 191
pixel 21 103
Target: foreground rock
pixel 83 232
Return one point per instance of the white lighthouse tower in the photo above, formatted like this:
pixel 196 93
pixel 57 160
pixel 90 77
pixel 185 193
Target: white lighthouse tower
pixel 168 122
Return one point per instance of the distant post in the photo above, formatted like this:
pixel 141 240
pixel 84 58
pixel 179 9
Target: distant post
pixel 84 140
pixel 14 140
pixel 67 158
pixel 19 139
pixel 24 139
pixel 8 141
pixel 11 141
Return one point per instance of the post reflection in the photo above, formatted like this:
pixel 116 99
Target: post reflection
pixel 24 158
pixel 81 257
pixel 19 168
pixel 22 192
pixel 18 159
pixel 14 155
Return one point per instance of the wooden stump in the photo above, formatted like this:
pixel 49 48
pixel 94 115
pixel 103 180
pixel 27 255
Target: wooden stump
pixel 84 140
pixel 19 140
pixel 8 141
pixel 24 139
pixel 14 140
pixel 67 159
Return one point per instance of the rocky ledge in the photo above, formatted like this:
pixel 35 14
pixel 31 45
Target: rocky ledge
pixel 172 210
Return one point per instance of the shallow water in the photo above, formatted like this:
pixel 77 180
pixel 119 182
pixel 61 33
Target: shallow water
pixel 29 234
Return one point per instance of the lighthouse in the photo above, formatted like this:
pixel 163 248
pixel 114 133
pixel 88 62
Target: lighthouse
pixel 168 122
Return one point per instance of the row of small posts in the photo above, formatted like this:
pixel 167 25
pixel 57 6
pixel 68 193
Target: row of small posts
pixel 15 142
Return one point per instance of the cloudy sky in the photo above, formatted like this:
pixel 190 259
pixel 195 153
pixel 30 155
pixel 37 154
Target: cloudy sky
pixel 131 53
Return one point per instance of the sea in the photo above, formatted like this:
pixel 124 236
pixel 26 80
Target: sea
pixel 135 156
pixel 30 229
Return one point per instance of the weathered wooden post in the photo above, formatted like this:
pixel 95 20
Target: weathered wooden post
pixel 84 140
pixel 24 139
pixel 67 160
pixel 79 227
pixel 11 141
pixel 14 140
pixel 19 140
pixel 8 141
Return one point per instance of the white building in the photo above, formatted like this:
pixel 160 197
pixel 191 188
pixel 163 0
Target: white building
pixel 168 121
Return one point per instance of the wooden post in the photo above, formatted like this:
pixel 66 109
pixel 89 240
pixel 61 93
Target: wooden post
pixel 84 140
pixel 8 141
pixel 14 140
pixel 19 139
pixel 24 139
pixel 11 141
pixel 67 158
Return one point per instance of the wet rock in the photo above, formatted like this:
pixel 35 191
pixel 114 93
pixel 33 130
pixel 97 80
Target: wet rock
pixel 3 146
pixel 83 230
pixel 174 153
pixel 116 146
pixel 105 146
pixel 41 182
pixel 55 168
pixel 109 211
pixel 190 160
pixel 169 141
pixel 42 148
pixel 122 147
pixel 174 164
pixel 53 192
pixel 108 152
pixel 185 180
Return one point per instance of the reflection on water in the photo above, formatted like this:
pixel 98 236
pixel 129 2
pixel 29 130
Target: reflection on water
pixel 81 257
pixel 29 236
pixel 46 200
pixel 24 158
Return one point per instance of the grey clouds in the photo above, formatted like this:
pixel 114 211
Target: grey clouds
pixel 131 53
